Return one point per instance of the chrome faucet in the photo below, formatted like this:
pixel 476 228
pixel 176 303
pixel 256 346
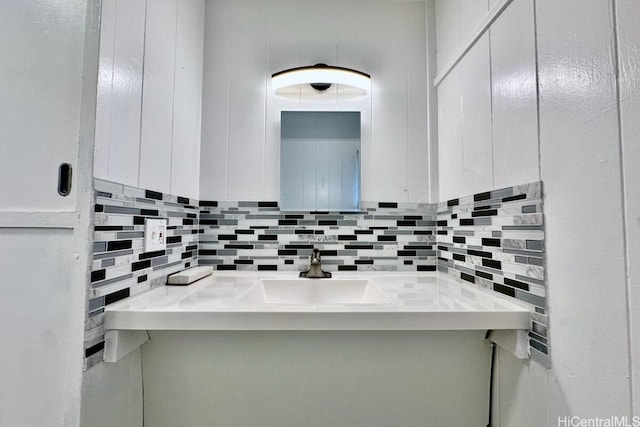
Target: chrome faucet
pixel 315 269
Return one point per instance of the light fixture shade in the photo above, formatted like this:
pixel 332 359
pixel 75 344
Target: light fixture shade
pixel 321 73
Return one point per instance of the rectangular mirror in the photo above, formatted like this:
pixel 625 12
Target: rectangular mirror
pixel 320 161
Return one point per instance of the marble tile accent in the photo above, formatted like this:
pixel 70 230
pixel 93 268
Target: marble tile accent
pixel 256 236
pixel 120 266
pixel 495 240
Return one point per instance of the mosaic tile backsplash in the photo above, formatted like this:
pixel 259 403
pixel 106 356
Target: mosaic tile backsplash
pixel 493 240
pixel 258 236
pixel 496 240
pixel 120 266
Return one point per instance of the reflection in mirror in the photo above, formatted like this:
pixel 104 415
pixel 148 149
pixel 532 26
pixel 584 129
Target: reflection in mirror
pixel 320 161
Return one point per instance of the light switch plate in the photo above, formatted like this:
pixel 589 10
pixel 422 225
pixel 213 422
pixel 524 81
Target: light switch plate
pixel 155 234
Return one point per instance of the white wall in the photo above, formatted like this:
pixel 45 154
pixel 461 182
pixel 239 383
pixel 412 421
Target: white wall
pixel 245 42
pixel 149 94
pixel 627 20
pixel 580 164
pixel 147 135
pixel 112 394
pixel 487 101
pixel 316 378
pixel 548 108
pixel 119 91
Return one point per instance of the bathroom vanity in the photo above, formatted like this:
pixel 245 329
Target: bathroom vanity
pixel 254 348
pixel 348 301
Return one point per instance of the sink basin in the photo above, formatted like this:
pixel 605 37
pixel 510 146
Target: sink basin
pixel 314 291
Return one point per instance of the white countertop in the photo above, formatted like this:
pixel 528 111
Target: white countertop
pixel 419 301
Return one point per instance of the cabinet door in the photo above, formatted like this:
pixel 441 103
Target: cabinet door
pixel 41 46
pixel 38 325
pixel 49 54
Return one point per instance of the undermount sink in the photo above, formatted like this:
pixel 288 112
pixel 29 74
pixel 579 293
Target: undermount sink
pixel 314 291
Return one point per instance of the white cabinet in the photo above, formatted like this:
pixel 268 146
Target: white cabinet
pixel 49 54
pixel 40 95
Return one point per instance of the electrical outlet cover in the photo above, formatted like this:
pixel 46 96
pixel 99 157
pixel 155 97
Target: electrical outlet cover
pixel 155 234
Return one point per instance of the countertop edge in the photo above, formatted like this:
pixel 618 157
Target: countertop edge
pixel 329 321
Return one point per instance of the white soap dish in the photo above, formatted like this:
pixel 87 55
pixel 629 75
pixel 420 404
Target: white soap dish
pixel 190 275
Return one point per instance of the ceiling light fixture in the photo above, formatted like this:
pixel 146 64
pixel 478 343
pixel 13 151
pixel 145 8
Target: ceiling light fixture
pixel 321 77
